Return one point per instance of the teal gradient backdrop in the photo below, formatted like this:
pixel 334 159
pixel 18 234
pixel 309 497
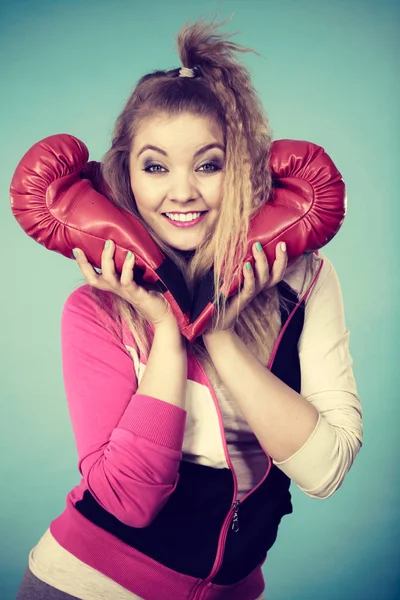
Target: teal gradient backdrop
pixel 327 74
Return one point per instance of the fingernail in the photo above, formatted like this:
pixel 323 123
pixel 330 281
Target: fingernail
pixel 248 266
pixel 75 253
pixel 128 256
pixel 259 247
pixel 283 246
pixel 107 244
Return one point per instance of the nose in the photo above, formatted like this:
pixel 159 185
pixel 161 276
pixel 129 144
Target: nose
pixel 182 188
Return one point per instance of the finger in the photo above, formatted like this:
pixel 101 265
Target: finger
pixel 107 263
pixel 261 265
pixel 86 268
pixel 238 301
pixel 228 319
pixel 249 287
pixel 280 264
pixel 127 269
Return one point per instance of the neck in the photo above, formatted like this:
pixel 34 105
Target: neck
pixel 186 254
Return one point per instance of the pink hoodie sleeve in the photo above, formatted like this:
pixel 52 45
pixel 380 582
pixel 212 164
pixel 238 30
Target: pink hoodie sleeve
pixel 129 445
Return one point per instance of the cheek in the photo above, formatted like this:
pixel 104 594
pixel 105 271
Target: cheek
pixel 215 194
pixel 146 199
pixel 219 194
pixel 145 205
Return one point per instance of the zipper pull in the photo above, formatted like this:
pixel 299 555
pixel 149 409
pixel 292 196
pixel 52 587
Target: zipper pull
pixel 235 522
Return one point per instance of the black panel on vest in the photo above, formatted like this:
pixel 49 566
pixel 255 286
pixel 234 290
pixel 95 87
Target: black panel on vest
pixel 173 278
pixel 203 295
pixel 259 518
pixel 158 286
pixel 286 365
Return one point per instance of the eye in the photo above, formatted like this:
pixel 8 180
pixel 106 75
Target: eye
pixel 214 167
pixel 156 168
pixel 149 168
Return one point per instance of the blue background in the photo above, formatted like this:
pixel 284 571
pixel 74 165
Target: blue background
pixel 329 75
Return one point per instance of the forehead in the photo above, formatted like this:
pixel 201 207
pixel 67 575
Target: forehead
pixel 178 130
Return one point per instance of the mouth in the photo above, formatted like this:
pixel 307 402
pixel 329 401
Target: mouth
pixel 185 220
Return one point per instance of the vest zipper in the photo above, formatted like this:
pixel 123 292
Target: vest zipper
pixel 233 514
pixel 220 551
pixel 235 522
pixel 233 511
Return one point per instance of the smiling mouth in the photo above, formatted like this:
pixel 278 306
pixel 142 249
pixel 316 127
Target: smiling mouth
pixel 185 219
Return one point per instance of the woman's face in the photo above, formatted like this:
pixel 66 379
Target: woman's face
pixel 176 172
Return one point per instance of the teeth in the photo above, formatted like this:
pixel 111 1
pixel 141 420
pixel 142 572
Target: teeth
pixel 183 218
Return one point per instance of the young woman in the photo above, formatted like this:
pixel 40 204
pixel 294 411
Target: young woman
pixel 187 450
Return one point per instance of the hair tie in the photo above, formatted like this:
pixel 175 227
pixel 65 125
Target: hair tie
pixel 187 72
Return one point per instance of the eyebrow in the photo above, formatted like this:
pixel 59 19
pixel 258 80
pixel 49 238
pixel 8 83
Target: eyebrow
pixel 201 151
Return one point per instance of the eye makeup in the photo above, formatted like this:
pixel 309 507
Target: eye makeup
pixel 215 164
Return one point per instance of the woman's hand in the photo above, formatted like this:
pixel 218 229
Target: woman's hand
pixel 254 281
pixel 151 305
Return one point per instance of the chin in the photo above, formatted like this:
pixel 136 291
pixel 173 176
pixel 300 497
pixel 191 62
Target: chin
pixel 191 244
pixel 188 248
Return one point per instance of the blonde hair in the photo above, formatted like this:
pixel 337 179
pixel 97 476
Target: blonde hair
pixel 223 92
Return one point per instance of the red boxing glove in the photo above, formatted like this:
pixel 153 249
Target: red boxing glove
pixel 307 209
pixel 56 205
